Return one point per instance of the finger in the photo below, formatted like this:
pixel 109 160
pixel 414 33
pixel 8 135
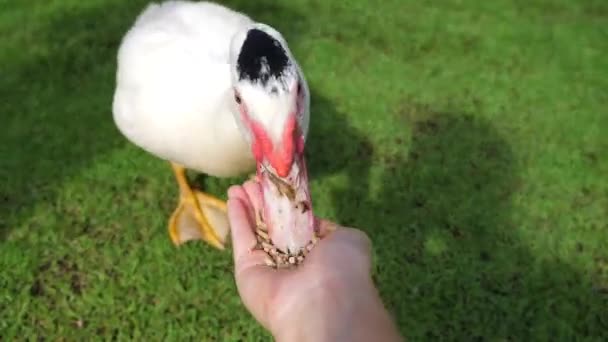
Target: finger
pixel 254 193
pixel 325 227
pixel 238 192
pixel 243 238
pixel 256 282
pixel 343 245
pixel 354 237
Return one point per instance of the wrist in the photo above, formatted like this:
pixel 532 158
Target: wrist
pixel 338 311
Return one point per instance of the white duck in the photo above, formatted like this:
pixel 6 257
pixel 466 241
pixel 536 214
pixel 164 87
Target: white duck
pixel 208 89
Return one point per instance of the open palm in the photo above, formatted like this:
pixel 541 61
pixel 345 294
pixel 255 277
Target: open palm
pixel 337 267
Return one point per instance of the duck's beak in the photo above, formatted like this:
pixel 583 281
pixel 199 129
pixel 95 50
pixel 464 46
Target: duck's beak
pixel 287 204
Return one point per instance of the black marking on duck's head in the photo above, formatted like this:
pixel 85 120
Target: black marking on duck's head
pixel 261 58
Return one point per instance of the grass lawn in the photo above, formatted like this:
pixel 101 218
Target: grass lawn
pixel 468 138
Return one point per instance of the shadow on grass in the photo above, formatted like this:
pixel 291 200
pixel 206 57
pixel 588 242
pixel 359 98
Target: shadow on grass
pixel 449 261
pixel 330 136
pixel 58 115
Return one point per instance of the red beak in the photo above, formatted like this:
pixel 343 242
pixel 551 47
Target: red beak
pixel 285 190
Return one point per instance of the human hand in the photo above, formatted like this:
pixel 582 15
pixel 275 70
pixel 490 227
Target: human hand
pixel 319 300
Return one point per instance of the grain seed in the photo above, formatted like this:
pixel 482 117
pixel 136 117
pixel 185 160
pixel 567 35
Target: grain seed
pixel 270 262
pixel 263 234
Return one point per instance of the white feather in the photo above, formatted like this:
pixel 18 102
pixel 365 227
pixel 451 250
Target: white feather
pixel 174 94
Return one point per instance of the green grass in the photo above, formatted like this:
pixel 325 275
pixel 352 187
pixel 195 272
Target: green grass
pixel 467 138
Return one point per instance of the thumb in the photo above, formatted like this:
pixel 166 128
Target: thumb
pixel 325 227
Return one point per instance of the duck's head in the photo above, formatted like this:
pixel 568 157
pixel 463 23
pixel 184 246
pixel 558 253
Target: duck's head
pixel 272 99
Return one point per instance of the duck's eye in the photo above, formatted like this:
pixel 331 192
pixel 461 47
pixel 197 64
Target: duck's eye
pixel 237 98
pixel 299 89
